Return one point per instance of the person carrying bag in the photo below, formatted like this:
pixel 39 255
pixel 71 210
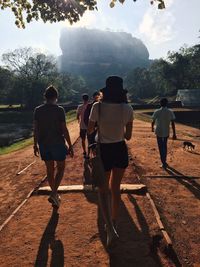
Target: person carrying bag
pixel 114 118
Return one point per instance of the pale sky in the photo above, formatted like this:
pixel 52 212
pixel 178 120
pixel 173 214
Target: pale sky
pixel 160 30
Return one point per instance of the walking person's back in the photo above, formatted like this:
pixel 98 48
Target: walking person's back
pixel 162 118
pixel 50 133
pixel 49 117
pixel 91 137
pixel 115 120
pixel 80 117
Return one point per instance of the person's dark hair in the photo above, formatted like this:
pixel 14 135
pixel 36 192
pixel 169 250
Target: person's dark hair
pixel 95 94
pixel 51 92
pixel 164 102
pixel 85 97
pixel 114 92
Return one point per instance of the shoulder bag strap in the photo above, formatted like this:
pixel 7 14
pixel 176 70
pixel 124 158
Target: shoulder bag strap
pixel 98 126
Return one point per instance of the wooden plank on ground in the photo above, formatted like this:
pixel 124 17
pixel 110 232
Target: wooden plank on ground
pixel 125 188
pixel 161 226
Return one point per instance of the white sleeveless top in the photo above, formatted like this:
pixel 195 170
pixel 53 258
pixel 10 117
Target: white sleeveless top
pixel 112 121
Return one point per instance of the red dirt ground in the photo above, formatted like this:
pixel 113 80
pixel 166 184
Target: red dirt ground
pixel 35 237
pixel 176 192
pixel 14 188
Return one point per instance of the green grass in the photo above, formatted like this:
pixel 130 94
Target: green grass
pixel 7 106
pixel 70 116
pixel 16 146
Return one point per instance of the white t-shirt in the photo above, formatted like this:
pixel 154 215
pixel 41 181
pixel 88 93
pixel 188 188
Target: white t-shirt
pixel 80 112
pixel 112 121
pixel 163 116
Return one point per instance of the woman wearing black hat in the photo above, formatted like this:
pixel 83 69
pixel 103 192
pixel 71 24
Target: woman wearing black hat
pixel 115 120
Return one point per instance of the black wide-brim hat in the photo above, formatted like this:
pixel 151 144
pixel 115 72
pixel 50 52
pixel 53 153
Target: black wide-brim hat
pixel 114 84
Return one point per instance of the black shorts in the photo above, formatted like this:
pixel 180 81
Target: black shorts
pixel 56 152
pixel 114 155
pixel 83 133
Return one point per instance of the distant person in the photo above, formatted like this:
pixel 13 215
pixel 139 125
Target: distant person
pixel 50 133
pixel 96 98
pixel 162 118
pixel 115 121
pixel 80 117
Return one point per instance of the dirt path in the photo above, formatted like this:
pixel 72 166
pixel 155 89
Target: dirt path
pixel 76 236
pixel 36 237
pixel 176 192
pixel 14 188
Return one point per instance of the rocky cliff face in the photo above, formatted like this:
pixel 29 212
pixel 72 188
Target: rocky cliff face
pixel 95 54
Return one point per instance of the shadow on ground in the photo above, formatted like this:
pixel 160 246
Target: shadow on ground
pixel 48 241
pixel 188 182
pixel 135 245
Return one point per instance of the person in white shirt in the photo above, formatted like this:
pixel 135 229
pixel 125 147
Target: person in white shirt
pixel 162 118
pixel 80 117
pixel 114 118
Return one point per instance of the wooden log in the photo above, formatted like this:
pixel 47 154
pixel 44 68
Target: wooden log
pixel 125 188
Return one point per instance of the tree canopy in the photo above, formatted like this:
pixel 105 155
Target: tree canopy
pixel 181 70
pixel 27 73
pixel 55 10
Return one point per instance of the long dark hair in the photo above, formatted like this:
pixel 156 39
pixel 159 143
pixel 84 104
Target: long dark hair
pixel 114 96
pixel 114 92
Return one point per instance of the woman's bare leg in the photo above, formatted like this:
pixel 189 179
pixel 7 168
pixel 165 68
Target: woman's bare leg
pixel 50 173
pixel 115 181
pixel 59 175
pixel 105 205
pixel 104 200
pixel 105 187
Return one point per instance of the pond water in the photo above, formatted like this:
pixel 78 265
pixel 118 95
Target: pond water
pixel 13 132
pixel 15 126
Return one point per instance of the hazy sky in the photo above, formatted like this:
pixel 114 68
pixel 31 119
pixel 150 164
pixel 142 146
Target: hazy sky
pixel 160 30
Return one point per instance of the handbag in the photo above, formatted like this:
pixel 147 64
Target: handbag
pixel 97 168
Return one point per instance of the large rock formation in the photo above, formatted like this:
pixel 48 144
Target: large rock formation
pixel 95 54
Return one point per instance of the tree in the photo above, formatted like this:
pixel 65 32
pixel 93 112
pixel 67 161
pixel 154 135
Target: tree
pixel 70 87
pixel 139 83
pixel 33 73
pixel 181 70
pixel 185 73
pixel 17 59
pixel 6 83
pixel 54 10
pixel 160 73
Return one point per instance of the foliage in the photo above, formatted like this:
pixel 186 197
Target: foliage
pixel 181 70
pixel 6 83
pixel 33 71
pixel 47 10
pixel 16 146
pixel 139 82
pixel 70 87
pixel 185 67
pixel 54 10
pixel 26 75
pixel 161 3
